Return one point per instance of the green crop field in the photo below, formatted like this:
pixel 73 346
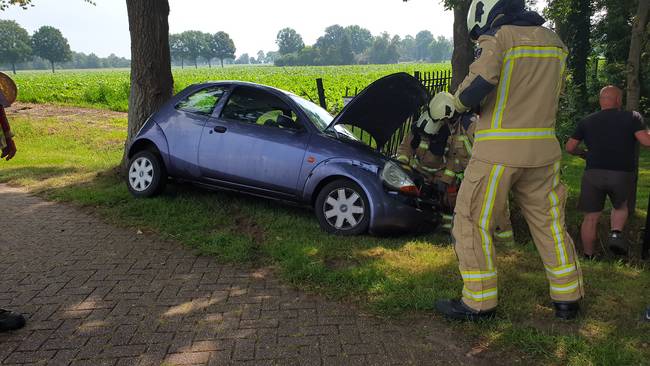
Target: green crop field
pixel 110 88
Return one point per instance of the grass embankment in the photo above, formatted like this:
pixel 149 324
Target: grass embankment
pixel 110 88
pixel 72 160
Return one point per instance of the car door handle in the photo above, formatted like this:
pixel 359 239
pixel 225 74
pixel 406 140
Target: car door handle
pixel 220 129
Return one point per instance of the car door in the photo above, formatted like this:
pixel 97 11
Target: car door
pixel 184 127
pixel 257 142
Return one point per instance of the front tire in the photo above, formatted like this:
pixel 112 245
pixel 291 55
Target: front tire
pixel 146 176
pixel 342 208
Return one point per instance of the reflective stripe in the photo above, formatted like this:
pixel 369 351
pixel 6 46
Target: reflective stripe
pixel 448 217
pixel 468 145
pixel 556 228
pixel 403 159
pixel 473 276
pixel 565 289
pixel 428 170
pixel 486 213
pixel 561 271
pixel 480 295
pixel 447 226
pixel 515 134
pixel 450 173
pixel 506 73
pixel 504 234
pixel 424 145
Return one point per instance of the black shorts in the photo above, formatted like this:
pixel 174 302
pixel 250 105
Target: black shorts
pixel 597 184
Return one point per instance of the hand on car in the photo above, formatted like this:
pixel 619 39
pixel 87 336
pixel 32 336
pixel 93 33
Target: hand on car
pixel 9 151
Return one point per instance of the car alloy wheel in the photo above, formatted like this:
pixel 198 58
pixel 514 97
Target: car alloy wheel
pixel 344 209
pixel 141 174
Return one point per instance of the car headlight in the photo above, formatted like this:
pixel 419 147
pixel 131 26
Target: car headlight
pixel 394 177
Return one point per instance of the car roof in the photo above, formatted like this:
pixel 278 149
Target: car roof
pixel 245 83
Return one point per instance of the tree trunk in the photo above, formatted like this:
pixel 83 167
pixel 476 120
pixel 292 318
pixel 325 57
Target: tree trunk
pixel 210 63
pixel 13 67
pixel 52 63
pixel 221 62
pixel 633 84
pixel 463 54
pixel 578 34
pixel 634 59
pixel 196 64
pixel 151 75
pixel 182 63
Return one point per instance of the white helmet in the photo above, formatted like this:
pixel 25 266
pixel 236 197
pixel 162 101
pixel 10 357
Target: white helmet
pixel 482 13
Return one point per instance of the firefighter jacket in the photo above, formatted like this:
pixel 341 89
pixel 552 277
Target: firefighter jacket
pixel 422 152
pixel 516 81
pixel 5 132
pixel 459 151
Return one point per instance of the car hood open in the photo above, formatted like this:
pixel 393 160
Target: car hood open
pixel 382 107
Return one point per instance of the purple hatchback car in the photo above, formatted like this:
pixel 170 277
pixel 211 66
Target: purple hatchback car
pixel 271 143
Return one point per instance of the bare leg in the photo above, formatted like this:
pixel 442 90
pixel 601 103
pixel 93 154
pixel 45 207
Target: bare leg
pixel 588 232
pixel 619 217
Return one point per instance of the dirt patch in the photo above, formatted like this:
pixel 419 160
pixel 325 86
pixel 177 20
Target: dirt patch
pixel 61 111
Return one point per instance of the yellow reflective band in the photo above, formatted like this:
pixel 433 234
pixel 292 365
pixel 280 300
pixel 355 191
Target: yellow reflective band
pixel 403 159
pixel 556 228
pixel 447 226
pixel 506 73
pixel 450 173
pixel 468 146
pixel 475 276
pixel 448 217
pixel 515 134
pixel 480 295
pixel 486 213
pixel 561 271
pixel 424 145
pixel 565 289
pixel 504 234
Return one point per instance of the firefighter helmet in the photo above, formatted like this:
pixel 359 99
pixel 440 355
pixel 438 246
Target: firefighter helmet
pixel 482 13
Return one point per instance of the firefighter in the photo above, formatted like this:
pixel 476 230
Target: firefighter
pixel 9 320
pixel 457 155
pixel 423 147
pixel 516 80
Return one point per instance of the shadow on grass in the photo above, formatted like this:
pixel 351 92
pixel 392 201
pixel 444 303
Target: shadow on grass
pixel 34 173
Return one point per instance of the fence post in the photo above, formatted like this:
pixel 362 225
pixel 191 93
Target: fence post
pixel 321 93
pixel 416 74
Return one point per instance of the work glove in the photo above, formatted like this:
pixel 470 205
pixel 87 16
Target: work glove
pixel 9 151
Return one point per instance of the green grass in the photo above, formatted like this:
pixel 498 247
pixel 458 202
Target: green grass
pixel 110 88
pixel 73 161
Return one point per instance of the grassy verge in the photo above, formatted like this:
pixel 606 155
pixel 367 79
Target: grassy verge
pixel 72 160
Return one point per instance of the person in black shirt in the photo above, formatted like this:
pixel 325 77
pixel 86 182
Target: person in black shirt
pixel 610 136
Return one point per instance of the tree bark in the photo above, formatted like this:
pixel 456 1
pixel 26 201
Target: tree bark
pixel 463 54
pixel 151 75
pixel 634 59
pixel 52 63
pixel 13 67
pixel 221 62
pixel 578 34
pixel 633 84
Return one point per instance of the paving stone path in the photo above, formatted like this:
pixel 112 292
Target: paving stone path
pixel 95 294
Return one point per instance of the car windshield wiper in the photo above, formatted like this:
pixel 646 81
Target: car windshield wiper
pixel 337 134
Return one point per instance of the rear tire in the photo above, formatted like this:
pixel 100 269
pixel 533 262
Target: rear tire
pixel 342 208
pixel 146 175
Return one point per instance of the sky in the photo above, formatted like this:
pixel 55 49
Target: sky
pixel 252 24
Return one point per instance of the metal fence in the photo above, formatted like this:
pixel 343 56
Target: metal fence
pixel 434 82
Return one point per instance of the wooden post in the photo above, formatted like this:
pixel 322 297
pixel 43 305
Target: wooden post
pixel 321 93
pixel 645 249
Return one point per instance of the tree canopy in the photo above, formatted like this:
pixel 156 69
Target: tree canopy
pixel 49 43
pixel 15 43
pixel 289 41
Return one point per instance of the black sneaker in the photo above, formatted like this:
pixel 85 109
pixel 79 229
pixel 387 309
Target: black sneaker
pixel 647 315
pixel 566 310
pixel 10 320
pixel 617 243
pixel 457 310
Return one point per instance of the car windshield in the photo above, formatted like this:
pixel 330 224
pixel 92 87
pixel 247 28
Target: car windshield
pixel 320 117
pixel 317 115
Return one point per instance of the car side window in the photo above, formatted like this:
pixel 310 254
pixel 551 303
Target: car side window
pixel 203 101
pixel 259 107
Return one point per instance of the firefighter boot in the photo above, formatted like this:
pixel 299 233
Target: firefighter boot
pixel 457 310
pixel 566 310
pixel 10 320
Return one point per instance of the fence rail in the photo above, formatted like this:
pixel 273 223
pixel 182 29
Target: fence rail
pixel 433 81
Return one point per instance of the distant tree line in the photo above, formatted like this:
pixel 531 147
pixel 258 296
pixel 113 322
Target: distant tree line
pixel 44 49
pixel 356 45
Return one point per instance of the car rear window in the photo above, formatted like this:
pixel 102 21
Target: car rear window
pixel 202 101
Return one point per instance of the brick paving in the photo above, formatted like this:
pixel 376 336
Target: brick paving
pixel 95 294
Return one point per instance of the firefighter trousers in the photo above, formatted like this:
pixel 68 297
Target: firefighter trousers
pixel 482 198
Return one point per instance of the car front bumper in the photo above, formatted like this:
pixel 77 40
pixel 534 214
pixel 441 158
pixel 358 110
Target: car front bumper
pixel 395 214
